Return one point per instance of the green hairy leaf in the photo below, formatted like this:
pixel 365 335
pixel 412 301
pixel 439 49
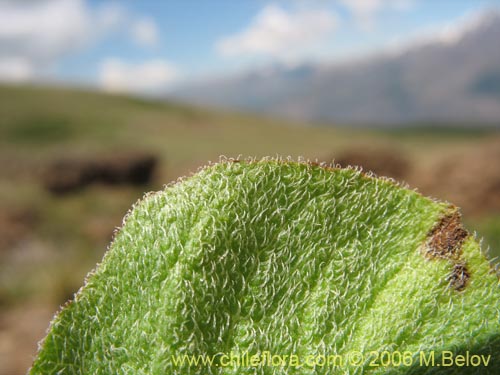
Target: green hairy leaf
pixel 283 261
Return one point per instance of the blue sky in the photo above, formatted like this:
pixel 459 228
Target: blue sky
pixel 148 46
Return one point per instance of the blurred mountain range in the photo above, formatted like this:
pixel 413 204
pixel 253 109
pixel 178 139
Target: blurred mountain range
pixel 451 76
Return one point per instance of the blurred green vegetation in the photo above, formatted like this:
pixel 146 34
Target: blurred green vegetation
pixel 67 235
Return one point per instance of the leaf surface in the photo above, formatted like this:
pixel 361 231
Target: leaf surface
pixel 285 257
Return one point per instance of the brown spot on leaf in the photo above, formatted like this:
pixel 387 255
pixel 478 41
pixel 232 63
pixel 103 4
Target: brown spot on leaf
pixel 445 241
pixel 446 238
pixel 459 276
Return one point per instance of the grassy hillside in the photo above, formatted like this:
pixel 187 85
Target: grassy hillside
pixel 49 242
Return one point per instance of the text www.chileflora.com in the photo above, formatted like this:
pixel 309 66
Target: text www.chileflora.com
pixel 350 359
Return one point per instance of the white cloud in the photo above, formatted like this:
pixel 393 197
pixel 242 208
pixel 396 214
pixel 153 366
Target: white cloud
pixel 145 32
pixel 365 11
pixel 16 69
pixel 148 77
pixel 111 17
pixel 36 35
pixel 280 34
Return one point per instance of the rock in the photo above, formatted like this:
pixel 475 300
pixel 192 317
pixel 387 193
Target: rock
pixel 68 175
